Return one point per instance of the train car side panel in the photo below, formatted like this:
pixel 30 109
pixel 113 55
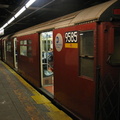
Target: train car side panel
pixel 72 90
pixel 109 62
pixel 28 58
pixel 9 52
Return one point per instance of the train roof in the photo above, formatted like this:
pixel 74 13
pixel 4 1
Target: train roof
pixel 93 13
pixel 100 12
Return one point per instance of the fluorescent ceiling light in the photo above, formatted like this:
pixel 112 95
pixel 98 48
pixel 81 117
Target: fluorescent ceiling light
pixel 4 25
pixel 20 11
pixel 30 2
pixel 2 32
pixel 1 29
pixel 12 19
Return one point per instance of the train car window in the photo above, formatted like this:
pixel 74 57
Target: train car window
pixel 29 48
pixel 8 46
pixel 26 48
pixel 23 50
pixel 115 57
pixel 86 54
pixel 21 42
pixel 25 42
pixel 29 42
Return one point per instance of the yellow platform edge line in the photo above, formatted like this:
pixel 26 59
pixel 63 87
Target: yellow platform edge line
pixel 37 97
pixel 54 113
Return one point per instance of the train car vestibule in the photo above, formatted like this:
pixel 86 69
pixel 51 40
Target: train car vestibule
pixel 46 46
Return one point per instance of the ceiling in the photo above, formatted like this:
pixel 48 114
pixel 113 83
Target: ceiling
pixel 38 12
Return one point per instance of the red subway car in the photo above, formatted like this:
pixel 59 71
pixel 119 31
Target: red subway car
pixel 73 59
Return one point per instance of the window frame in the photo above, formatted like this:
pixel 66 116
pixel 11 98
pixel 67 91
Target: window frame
pixel 28 45
pixel 86 57
pixel 8 46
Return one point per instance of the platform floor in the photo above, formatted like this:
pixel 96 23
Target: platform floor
pixel 20 101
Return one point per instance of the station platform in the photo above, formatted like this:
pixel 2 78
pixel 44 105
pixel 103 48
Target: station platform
pixel 20 101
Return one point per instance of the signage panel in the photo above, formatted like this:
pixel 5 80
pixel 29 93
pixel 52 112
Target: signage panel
pixel 71 39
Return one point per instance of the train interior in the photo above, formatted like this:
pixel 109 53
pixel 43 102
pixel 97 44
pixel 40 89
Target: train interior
pixel 47 74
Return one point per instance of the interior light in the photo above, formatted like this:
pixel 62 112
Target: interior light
pixel 2 32
pixel 4 25
pixel 81 33
pixel 20 11
pixel 11 20
pixel 30 2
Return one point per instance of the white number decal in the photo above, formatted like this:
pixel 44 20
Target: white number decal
pixel 71 37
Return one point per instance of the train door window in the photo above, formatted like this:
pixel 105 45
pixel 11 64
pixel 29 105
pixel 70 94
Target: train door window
pixel 15 53
pixel 23 48
pixel 115 57
pixel 47 61
pixel 26 48
pixel 0 50
pixel 86 57
pixel 4 50
pixel 4 54
pixel 8 46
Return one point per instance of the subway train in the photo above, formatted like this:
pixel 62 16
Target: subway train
pixel 73 59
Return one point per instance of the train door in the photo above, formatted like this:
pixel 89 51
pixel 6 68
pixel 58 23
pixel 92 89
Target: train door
pixel 47 76
pixel 15 53
pixel 0 49
pixel 4 51
pixel 108 79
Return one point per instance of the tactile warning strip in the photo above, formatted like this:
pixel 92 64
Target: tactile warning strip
pixel 37 106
